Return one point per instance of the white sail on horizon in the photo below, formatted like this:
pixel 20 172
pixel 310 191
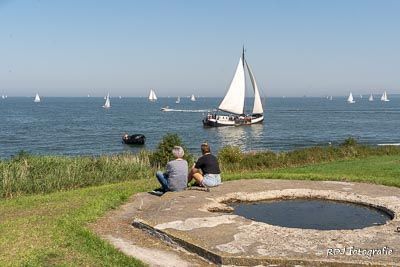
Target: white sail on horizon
pixel 107 104
pixel 178 100
pixel 350 99
pixel 152 95
pixel 384 97
pixel 193 98
pixel 371 98
pixel 37 98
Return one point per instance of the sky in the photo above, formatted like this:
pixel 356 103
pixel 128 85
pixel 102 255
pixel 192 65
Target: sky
pixel 295 48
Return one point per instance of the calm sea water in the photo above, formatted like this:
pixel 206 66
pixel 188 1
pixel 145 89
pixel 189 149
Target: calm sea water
pixel 80 126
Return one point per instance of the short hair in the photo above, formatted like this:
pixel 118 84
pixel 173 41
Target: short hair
pixel 205 148
pixel 178 152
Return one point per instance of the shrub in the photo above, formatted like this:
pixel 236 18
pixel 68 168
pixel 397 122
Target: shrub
pixel 349 142
pixel 163 153
pixel 230 154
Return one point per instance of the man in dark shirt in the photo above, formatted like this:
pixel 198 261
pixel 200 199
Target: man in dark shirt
pixel 206 170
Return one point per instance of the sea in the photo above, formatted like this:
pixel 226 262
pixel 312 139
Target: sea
pixel 80 126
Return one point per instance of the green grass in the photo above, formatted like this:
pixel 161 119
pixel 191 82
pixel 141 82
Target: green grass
pixel 374 169
pixel 45 230
pixel 28 174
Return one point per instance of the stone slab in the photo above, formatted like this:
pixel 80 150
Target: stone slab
pixel 200 222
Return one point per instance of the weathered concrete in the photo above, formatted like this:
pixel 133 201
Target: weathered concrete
pixel 186 219
pixel 116 228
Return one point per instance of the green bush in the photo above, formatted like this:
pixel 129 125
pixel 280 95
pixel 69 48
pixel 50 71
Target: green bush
pixel 349 142
pixel 230 154
pixel 163 153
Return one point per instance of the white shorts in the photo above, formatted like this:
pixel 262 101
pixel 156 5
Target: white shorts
pixel 211 180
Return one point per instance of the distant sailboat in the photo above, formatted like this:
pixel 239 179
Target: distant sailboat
pixel 152 96
pixel 107 104
pixel 192 98
pixel 37 98
pixel 3 96
pixel 178 100
pixel 233 102
pixel 371 98
pixel 384 97
pixel 330 98
pixel 350 99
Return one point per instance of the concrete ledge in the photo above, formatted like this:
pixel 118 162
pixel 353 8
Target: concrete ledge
pixel 185 219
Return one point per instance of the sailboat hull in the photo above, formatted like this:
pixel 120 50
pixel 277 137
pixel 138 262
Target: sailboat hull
pixel 221 121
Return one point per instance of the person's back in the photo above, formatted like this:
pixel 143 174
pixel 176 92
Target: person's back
pixel 208 164
pixel 177 174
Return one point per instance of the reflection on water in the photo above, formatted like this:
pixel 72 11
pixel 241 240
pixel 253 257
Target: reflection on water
pixel 231 135
pixel 245 137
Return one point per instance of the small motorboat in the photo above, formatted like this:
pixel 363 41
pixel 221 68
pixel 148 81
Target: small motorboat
pixel 135 139
pixel 166 108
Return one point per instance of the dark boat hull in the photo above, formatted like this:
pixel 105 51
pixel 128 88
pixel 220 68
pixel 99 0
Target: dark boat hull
pixel 222 121
pixel 135 139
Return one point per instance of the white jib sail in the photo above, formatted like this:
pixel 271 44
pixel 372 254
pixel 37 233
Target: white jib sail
pixel 234 99
pixel 37 98
pixel 350 99
pixel 152 95
pixel 107 104
pixel 371 98
pixel 257 108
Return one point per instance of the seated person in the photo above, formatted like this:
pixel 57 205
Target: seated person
pixel 206 170
pixel 175 176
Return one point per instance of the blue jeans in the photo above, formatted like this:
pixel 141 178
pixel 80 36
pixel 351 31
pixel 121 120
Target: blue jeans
pixel 163 180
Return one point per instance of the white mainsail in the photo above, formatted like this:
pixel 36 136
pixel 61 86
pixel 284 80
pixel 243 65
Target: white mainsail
pixel 178 100
pixel 350 99
pixel 152 95
pixel 233 101
pixel 384 97
pixel 371 98
pixel 107 104
pixel 37 98
pixel 257 107
pixel 192 98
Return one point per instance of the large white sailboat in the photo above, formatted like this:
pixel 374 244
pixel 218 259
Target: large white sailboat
pixel 152 96
pixel 350 99
pixel 178 100
pixel 233 102
pixel 384 97
pixel 107 104
pixel 192 98
pixel 37 98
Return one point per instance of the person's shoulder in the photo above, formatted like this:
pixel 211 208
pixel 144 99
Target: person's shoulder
pixel 171 162
pixel 211 156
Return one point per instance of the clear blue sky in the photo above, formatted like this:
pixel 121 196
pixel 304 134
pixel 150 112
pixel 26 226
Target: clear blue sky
pixel 72 48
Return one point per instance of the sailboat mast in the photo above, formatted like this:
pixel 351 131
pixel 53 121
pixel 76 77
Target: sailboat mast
pixel 244 70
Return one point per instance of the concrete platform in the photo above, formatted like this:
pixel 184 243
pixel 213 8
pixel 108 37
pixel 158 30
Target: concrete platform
pixel 200 222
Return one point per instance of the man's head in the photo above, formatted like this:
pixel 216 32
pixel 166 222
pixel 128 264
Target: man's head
pixel 205 148
pixel 178 152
